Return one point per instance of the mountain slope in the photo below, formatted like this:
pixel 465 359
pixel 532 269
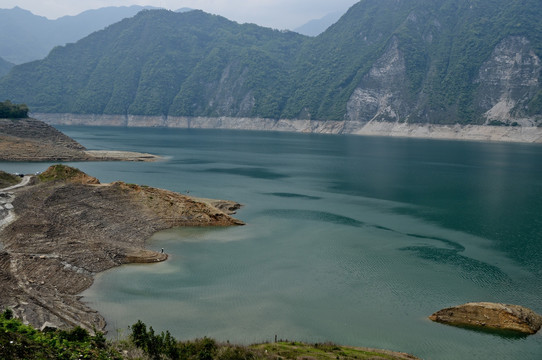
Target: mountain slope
pixel 415 61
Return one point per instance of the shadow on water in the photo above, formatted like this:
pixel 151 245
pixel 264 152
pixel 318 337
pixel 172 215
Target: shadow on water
pixel 292 195
pixel 500 333
pixel 321 216
pixel 479 271
pixel 453 244
pixel 257 173
pixel 192 161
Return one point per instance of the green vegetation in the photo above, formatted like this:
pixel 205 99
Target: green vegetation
pixel 13 111
pixel 19 341
pixel 7 179
pixel 197 64
pixel 60 172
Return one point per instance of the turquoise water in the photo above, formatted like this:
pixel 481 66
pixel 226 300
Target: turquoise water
pixel 348 239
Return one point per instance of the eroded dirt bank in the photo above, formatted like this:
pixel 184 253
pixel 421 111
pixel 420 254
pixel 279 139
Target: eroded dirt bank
pixel 70 227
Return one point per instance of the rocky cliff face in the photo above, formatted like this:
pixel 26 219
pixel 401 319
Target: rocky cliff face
pixel 508 81
pixel 505 85
pixel 381 95
pixel 229 96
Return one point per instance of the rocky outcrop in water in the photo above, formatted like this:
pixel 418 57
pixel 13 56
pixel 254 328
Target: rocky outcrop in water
pixel 494 316
pixel 68 227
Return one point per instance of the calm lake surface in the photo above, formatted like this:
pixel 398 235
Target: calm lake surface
pixel 354 240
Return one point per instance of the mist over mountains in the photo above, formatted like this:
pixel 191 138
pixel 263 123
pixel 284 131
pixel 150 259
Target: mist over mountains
pixel 416 61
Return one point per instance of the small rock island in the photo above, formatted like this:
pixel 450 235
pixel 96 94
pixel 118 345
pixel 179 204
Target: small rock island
pixel 66 227
pixel 491 316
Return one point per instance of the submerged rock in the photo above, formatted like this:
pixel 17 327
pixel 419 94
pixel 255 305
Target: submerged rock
pixel 491 316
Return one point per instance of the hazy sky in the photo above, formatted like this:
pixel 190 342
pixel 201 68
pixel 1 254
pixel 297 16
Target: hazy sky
pixel 279 14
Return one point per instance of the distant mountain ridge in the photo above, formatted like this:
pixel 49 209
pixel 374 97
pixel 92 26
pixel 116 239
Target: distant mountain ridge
pixel 317 26
pixel 408 61
pixel 26 37
pixel 5 67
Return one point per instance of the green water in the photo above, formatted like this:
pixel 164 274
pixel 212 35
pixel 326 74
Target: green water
pixel 354 240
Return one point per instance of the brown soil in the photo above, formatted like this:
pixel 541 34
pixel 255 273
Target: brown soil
pixel 66 232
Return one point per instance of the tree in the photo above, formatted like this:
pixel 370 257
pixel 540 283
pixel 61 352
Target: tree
pixel 8 110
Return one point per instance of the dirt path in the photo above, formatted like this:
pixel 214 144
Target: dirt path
pixel 7 215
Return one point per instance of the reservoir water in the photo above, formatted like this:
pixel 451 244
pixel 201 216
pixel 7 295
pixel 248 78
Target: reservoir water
pixel 355 240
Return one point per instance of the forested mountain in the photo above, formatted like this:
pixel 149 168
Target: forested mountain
pixel 161 62
pixel 25 37
pixel 5 67
pixel 448 61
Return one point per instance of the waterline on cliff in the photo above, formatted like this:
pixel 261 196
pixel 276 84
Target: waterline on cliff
pixel 373 128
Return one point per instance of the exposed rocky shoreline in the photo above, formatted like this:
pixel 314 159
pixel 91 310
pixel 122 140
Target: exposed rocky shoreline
pixel 524 134
pixel 68 227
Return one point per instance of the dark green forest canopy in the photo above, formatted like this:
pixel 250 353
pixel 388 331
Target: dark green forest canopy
pixel 197 64
pixel 13 111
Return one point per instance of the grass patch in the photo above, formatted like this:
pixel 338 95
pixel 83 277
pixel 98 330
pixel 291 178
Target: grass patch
pixel 7 179
pixel 59 172
pixel 323 351
pixel 19 341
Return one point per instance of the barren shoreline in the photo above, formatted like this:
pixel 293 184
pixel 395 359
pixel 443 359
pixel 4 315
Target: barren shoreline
pixel 521 134
pixel 115 155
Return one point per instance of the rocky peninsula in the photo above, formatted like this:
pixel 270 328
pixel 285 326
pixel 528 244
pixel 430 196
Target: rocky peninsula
pixel 65 227
pixel 33 140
